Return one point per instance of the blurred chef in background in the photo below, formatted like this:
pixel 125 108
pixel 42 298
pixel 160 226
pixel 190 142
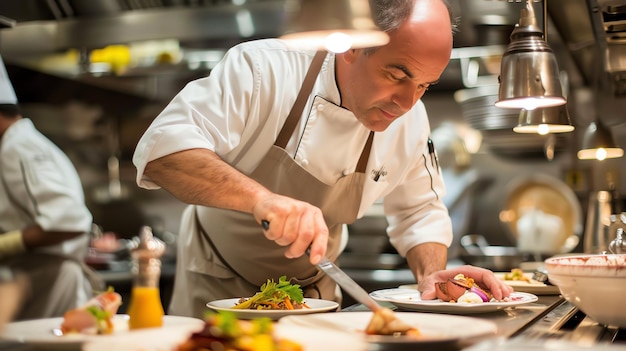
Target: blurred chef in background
pixel 44 222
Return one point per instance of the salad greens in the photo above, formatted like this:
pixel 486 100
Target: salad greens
pixel 278 295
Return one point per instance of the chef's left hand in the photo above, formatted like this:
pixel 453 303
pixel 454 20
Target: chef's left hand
pixel 483 277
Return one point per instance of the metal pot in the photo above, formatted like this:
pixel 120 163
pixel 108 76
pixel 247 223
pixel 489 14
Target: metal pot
pixel 476 251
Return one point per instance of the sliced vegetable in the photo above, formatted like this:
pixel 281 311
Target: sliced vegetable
pixel 480 293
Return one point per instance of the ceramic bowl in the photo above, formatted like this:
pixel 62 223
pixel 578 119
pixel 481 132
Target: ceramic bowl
pixel 596 284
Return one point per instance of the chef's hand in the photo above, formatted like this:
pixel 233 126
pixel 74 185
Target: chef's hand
pixel 293 223
pixel 483 277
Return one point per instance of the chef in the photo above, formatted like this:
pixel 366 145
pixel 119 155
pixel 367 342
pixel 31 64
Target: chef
pixel 279 148
pixel 44 223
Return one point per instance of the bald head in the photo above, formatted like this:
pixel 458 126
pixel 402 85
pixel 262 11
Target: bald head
pixel 434 16
pixel 390 14
pixel 381 84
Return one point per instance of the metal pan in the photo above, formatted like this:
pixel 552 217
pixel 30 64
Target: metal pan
pixel 476 251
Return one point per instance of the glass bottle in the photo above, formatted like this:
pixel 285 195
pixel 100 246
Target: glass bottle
pixel 145 309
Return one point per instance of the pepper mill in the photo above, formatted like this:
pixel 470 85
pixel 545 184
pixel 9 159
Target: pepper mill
pixel 145 309
pixel 618 245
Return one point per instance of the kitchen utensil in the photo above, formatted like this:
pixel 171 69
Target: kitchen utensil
pixel 342 279
pixel 348 284
pixel 618 245
pixel 618 226
pixel 597 236
pixel 477 251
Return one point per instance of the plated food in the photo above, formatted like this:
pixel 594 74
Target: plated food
pixel 410 299
pixel 46 334
pixel 223 331
pixel 385 322
pixel 434 329
pixel 315 306
pixel 525 282
pixel 281 295
pixel 93 318
pixel 462 289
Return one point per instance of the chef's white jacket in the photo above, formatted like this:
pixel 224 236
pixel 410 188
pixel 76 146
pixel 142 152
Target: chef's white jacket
pixel 44 188
pixel 239 109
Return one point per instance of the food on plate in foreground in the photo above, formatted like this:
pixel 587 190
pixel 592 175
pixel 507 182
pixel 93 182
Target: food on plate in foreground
pixel 223 331
pixel 385 322
pixel 95 316
pixel 275 296
pixel 462 289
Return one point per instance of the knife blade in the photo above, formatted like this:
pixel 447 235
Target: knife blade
pixel 347 284
pixel 341 278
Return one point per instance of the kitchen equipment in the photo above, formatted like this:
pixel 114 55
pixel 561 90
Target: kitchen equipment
pixel 618 226
pixel 477 251
pixel 347 284
pixel 342 279
pixel 597 236
pixel 618 245
pixel 593 283
pixel 555 200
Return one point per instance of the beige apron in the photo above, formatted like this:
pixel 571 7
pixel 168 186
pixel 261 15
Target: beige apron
pixel 238 258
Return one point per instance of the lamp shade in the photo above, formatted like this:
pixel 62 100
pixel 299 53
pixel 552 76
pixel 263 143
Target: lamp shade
pixel 334 25
pixel 529 74
pixel 545 120
pixel 598 143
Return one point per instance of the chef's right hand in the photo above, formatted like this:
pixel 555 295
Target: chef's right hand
pixel 293 223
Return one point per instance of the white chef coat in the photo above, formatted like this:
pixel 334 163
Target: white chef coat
pixel 44 182
pixel 239 109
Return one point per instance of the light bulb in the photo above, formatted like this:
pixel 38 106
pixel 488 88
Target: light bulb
pixel 338 42
pixel 543 129
pixel 601 154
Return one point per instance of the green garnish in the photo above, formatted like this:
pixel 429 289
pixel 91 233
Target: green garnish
pixel 97 312
pixel 274 293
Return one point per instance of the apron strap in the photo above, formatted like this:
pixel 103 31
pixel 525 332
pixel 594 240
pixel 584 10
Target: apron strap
pixel 361 166
pixel 296 112
pixel 303 95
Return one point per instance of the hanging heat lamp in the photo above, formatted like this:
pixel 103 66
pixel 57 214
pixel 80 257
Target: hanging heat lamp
pixel 333 25
pixel 529 74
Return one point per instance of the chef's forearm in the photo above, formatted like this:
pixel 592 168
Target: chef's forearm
pixel 34 236
pixel 201 177
pixel 427 258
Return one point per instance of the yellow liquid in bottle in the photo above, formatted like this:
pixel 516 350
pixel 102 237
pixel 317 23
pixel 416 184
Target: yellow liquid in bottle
pixel 145 309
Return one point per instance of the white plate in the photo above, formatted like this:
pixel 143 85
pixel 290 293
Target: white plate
pixel 410 299
pixel 309 339
pixel 434 328
pixel 41 332
pixel 315 304
pixel 533 287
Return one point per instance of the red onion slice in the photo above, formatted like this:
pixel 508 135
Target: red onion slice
pixel 480 293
